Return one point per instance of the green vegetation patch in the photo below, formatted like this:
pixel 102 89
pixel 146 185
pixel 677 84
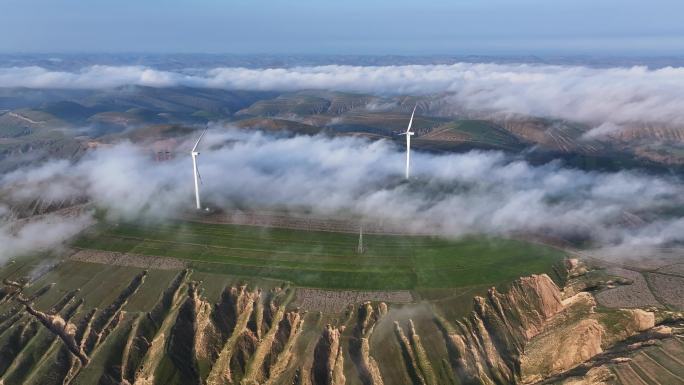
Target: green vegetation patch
pixel 328 259
pixel 288 104
pixel 477 132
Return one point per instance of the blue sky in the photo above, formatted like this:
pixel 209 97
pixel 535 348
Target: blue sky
pixel 622 27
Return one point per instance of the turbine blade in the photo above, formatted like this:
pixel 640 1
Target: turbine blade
pixel 198 140
pixel 199 176
pixel 411 120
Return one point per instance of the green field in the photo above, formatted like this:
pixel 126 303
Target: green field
pixel 327 259
pixel 473 134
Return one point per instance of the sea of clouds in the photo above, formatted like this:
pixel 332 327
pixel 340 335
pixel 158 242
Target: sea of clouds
pixel 450 195
pixel 619 95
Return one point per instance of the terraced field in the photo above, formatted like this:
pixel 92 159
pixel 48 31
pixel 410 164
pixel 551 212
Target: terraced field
pixel 385 123
pixel 473 132
pixel 327 259
pixel 292 104
pixel 662 363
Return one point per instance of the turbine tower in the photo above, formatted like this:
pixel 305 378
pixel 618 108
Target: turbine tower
pixel 408 134
pixel 195 170
pixel 359 248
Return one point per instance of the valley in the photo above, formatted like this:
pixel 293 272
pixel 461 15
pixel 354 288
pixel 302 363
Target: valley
pixel 101 322
pixel 532 242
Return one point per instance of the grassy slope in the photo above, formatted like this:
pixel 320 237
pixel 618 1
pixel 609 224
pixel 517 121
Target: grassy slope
pixel 466 134
pixel 325 259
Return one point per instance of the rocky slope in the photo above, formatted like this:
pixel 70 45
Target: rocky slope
pixel 252 336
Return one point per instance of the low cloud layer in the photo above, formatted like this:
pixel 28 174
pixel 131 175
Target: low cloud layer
pixel 450 195
pixel 40 234
pixel 593 95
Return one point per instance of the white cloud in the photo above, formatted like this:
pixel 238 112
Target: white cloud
pixel 452 195
pixel 42 233
pixel 594 95
pixel 603 130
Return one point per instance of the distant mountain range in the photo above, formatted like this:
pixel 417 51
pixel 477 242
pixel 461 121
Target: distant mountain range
pixel 36 124
pixel 73 61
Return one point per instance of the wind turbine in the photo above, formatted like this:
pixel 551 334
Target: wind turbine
pixel 194 153
pixel 408 134
pixel 360 249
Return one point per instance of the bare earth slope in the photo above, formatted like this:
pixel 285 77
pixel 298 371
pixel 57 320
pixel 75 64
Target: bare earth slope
pixel 182 327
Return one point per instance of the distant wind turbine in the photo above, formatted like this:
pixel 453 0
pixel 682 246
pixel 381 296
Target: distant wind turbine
pixel 408 134
pixel 195 170
pixel 359 248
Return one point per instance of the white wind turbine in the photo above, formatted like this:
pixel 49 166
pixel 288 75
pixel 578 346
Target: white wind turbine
pixel 408 134
pixel 195 170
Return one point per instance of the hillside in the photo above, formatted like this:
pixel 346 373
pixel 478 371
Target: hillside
pixel 139 321
pixel 26 115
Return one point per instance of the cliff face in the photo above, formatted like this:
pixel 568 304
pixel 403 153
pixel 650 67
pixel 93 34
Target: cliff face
pixel 249 336
pixel 531 333
pixel 418 366
pixel 328 366
pixel 244 338
pixel 485 347
pixel 359 345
